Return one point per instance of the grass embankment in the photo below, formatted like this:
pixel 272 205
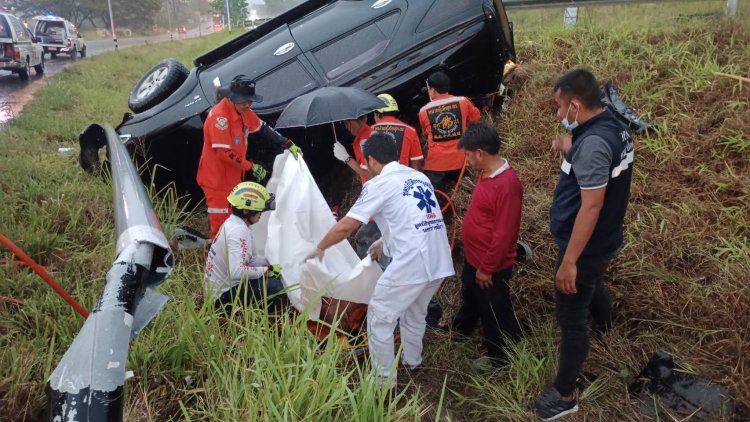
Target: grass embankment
pixel 680 283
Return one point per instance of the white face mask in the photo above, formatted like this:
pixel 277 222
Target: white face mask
pixel 568 125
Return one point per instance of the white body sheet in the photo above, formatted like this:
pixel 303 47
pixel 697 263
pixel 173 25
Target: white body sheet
pixel 301 219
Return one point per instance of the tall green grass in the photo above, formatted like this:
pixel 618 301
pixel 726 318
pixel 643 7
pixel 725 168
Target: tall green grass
pixel 679 283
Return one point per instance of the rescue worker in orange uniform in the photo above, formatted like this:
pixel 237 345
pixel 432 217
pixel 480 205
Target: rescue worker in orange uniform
pixel 223 161
pixel 444 119
pixel 361 131
pixel 405 136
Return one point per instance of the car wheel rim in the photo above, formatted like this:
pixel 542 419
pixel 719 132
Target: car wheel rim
pixel 152 82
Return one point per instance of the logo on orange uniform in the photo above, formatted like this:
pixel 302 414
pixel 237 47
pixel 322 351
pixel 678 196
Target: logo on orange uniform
pixel 222 123
pixel 445 121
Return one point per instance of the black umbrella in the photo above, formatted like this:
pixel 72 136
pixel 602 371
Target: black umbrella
pixel 327 105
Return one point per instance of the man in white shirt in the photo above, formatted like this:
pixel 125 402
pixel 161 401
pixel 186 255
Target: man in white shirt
pixel 234 271
pixel 402 202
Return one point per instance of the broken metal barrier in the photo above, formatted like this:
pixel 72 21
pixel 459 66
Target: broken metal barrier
pixel 88 383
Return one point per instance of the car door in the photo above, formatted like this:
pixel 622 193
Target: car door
pixel 73 35
pixel 34 49
pixel 345 38
pixel 277 64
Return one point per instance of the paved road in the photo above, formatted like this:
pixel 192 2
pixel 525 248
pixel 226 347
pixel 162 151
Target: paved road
pixel 15 93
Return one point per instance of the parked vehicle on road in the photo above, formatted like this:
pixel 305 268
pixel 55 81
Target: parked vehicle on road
pixel 58 35
pixel 19 51
pixel 378 45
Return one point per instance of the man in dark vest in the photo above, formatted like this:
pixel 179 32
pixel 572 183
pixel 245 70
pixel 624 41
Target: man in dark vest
pixel 586 220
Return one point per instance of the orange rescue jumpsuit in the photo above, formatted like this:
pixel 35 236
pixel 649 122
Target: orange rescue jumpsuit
pixel 362 135
pixel 444 120
pixel 223 163
pixel 405 136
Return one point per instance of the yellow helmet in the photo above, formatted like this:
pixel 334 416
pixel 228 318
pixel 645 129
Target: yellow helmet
pixel 251 196
pixel 390 103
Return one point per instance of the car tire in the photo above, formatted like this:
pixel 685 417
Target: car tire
pixel 24 73
pixel 52 55
pixel 83 51
pixel 39 69
pixel 157 84
pixel 74 53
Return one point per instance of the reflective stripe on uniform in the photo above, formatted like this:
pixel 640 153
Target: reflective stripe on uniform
pixel 218 210
pixel 221 146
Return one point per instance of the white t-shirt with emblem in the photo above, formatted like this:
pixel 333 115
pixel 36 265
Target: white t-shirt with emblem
pixel 403 204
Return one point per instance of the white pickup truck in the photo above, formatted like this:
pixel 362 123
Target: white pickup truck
pixel 58 35
pixel 19 51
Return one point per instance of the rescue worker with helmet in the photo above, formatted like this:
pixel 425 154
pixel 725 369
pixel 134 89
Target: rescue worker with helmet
pixel 233 269
pixel 223 160
pixel 406 137
pixel 402 202
pixel 444 119
pixel 361 131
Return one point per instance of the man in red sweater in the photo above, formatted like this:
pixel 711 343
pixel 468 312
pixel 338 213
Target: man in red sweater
pixel 489 233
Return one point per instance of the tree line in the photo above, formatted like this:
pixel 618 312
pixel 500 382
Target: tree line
pixel 136 14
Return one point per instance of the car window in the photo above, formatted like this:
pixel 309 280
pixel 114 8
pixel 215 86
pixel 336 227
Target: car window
pixel 444 10
pixel 356 48
pixel 285 83
pixel 53 28
pixel 18 28
pixel 4 28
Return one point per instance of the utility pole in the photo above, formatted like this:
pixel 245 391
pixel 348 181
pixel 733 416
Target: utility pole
pixel 112 24
pixel 169 19
pixel 229 19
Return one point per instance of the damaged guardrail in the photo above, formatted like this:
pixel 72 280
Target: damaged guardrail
pixel 87 385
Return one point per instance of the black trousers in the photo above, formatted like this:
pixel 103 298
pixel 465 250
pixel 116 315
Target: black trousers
pixel 492 306
pixel 572 312
pixel 443 180
pixel 249 292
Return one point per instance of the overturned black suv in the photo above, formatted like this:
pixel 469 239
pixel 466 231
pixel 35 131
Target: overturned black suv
pixel 378 45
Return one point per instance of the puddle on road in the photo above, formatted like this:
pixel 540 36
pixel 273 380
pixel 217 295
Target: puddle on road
pixel 15 94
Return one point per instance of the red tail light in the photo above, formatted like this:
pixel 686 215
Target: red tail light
pixel 8 50
pixel 70 42
pixel 16 53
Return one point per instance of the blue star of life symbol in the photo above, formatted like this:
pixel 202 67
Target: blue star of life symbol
pixel 425 199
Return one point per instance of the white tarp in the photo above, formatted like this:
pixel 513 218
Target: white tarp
pixel 286 235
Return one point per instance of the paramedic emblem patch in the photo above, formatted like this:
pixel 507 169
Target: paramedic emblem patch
pixel 221 123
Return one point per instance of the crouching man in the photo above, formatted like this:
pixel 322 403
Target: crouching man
pixel 234 272
pixel 401 200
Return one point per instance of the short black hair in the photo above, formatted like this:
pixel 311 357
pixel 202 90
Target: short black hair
pixel 482 136
pixel 582 85
pixel 381 147
pixel 440 82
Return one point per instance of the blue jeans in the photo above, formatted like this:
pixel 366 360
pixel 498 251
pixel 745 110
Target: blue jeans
pixel 572 312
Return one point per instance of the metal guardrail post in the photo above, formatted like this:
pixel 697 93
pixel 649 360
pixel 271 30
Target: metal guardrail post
pixel 88 383
pixel 733 7
pixel 570 17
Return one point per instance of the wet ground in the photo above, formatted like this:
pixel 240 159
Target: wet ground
pixel 15 93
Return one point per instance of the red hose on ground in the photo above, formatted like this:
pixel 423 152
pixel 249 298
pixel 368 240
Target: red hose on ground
pixel 42 272
pixel 455 215
pixel 11 300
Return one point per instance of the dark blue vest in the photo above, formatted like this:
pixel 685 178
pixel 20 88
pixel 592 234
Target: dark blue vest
pixel 607 236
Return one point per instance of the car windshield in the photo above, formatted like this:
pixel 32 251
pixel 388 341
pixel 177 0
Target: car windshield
pixel 4 28
pixel 53 28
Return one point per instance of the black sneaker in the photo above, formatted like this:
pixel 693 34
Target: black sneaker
pixel 551 405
